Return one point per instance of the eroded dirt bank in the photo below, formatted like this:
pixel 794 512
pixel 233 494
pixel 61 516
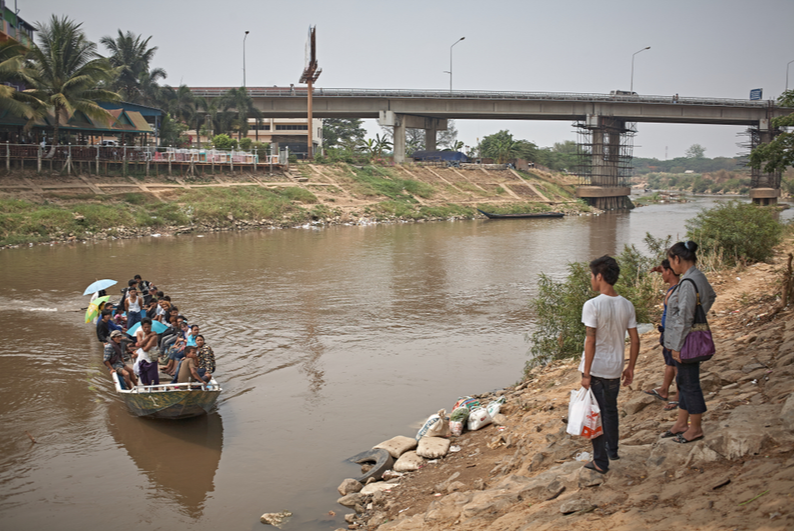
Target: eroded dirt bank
pixel 523 476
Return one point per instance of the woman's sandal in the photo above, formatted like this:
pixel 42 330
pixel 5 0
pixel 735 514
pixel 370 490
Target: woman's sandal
pixel 671 406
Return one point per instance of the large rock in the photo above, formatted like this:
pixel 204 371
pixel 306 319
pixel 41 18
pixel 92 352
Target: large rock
pixel 397 446
pixel 576 505
pixel 637 403
pixel 349 486
pixel 408 462
pixel 744 431
pixel 351 500
pixel 378 486
pixel 433 447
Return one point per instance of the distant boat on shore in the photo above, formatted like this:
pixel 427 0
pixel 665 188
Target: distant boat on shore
pixel 522 216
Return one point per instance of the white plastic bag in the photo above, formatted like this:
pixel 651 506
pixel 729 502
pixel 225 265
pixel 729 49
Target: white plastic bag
pixel 478 418
pixel 435 426
pixel 494 406
pixel 584 418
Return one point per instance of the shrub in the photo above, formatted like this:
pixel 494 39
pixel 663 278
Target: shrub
pixel 740 231
pixel 245 144
pixel 224 142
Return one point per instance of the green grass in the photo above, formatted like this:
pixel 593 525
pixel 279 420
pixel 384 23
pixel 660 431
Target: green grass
pixel 374 181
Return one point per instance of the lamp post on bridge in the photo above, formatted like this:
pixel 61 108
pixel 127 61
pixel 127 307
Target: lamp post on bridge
pixel 632 77
pixel 244 59
pixel 786 84
pixel 451 63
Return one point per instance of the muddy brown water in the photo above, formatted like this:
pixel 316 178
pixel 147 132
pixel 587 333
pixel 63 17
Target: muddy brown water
pixel 327 340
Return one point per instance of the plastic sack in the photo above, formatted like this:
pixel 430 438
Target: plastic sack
pixel 458 419
pixel 467 402
pixel 478 418
pixel 435 426
pixel 494 406
pixel 584 418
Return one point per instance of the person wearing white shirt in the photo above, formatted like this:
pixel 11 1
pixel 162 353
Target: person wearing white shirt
pixel 607 319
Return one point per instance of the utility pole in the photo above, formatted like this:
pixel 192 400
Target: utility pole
pixel 309 76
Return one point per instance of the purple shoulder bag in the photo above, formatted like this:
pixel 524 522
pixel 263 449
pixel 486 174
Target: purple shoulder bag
pixel 698 343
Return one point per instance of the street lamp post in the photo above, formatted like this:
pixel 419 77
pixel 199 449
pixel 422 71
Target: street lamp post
pixel 244 59
pixel 632 77
pixel 786 84
pixel 451 62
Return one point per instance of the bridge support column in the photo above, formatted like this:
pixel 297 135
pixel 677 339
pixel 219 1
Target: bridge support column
pixel 606 162
pixel 400 122
pixel 765 187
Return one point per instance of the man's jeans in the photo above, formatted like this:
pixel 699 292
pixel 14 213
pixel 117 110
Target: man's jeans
pixel 606 393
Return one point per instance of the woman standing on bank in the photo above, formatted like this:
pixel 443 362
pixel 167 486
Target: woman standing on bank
pixel 693 287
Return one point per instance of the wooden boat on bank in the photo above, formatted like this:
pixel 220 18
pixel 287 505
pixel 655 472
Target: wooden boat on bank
pixel 523 216
pixel 169 401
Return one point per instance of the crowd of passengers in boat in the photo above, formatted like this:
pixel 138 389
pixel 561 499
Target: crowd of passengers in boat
pixel 178 350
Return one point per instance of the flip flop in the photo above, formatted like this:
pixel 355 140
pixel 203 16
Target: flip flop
pixel 655 394
pixel 668 434
pixel 591 466
pixel 671 406
pixel 681 440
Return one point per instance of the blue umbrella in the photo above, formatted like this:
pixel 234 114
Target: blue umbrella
pixel 157 327
pixel 99 285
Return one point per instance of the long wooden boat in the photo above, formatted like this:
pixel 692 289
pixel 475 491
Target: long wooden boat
pixel 522 216
pixel 169 401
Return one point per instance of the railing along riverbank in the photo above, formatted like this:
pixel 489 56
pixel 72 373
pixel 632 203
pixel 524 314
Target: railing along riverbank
pixel 139 160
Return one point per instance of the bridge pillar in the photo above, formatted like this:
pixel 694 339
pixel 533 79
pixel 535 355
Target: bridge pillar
pixel 399 123
pixel 765 187
pixel 605 162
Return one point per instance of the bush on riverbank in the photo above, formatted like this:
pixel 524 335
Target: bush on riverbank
pixel 559 331
pixel 738 232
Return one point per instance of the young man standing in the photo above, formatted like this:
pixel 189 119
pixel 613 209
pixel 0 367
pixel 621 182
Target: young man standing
pixel 607 318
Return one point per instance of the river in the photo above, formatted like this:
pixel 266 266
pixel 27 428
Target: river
pixel 328 341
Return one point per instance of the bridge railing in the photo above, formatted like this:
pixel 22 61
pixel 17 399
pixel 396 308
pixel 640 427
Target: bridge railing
pixel 287 92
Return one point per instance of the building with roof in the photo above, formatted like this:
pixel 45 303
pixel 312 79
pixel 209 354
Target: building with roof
pixel 13 27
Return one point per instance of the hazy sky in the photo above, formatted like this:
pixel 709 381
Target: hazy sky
pixel 705 48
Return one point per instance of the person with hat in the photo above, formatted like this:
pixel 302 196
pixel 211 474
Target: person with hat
pixel 113 359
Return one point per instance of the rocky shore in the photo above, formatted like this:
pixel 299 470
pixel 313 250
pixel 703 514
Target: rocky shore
pixel 520 472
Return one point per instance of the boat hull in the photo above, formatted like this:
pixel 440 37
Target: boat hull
pixel 166 402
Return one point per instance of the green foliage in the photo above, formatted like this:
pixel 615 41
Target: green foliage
pixel 341 132
pixel 378 181
pixel 502 147
pixel 738 231
pixel 559 331
pixel 172 132
pixel 561 156
pixel 696 151
pixel 224 141
pixel 245 144
pixel 776 156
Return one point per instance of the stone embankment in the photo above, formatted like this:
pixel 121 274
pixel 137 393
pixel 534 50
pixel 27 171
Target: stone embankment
pixel 520 473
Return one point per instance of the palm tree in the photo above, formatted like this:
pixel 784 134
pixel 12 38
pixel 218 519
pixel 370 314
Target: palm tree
pixel 65 73
pixel 11 57
pixel 129 53
pixel 150 91
pixel 244 105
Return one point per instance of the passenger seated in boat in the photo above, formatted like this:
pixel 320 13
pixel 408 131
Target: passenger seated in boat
pixel 163 306
pixel 146 364
pixel 105 326
pixel 205 358
pixel 151 310
pixel 188 372
pixel 115 361
pixel 191 339
pixel 177 349
pixel 119 318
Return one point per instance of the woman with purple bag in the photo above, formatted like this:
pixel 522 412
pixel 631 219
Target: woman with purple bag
pixel 688 338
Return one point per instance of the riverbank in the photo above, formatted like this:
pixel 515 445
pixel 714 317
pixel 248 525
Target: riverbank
pixel 521 474
pixel 51 208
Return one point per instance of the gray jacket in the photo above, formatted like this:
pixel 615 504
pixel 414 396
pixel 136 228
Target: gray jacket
pixel 682 307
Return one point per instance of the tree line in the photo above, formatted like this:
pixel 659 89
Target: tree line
pixel 64 72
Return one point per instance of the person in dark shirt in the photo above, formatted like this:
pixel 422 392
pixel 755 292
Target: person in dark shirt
pixel 113 358
pixel 105 326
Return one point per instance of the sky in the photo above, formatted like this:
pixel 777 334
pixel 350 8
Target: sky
pixel 699 48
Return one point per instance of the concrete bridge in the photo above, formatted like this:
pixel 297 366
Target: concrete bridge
pixel 606 119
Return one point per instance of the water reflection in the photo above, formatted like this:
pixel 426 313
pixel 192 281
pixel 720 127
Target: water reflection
pixel 179 458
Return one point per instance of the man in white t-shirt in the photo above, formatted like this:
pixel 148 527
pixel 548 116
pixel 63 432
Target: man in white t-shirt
pixel 607 318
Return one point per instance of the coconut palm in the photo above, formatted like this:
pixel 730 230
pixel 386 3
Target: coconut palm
pixel 130 55
pixel 244 105
pixel 11 57
pixel 65 74
pixel 151 93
